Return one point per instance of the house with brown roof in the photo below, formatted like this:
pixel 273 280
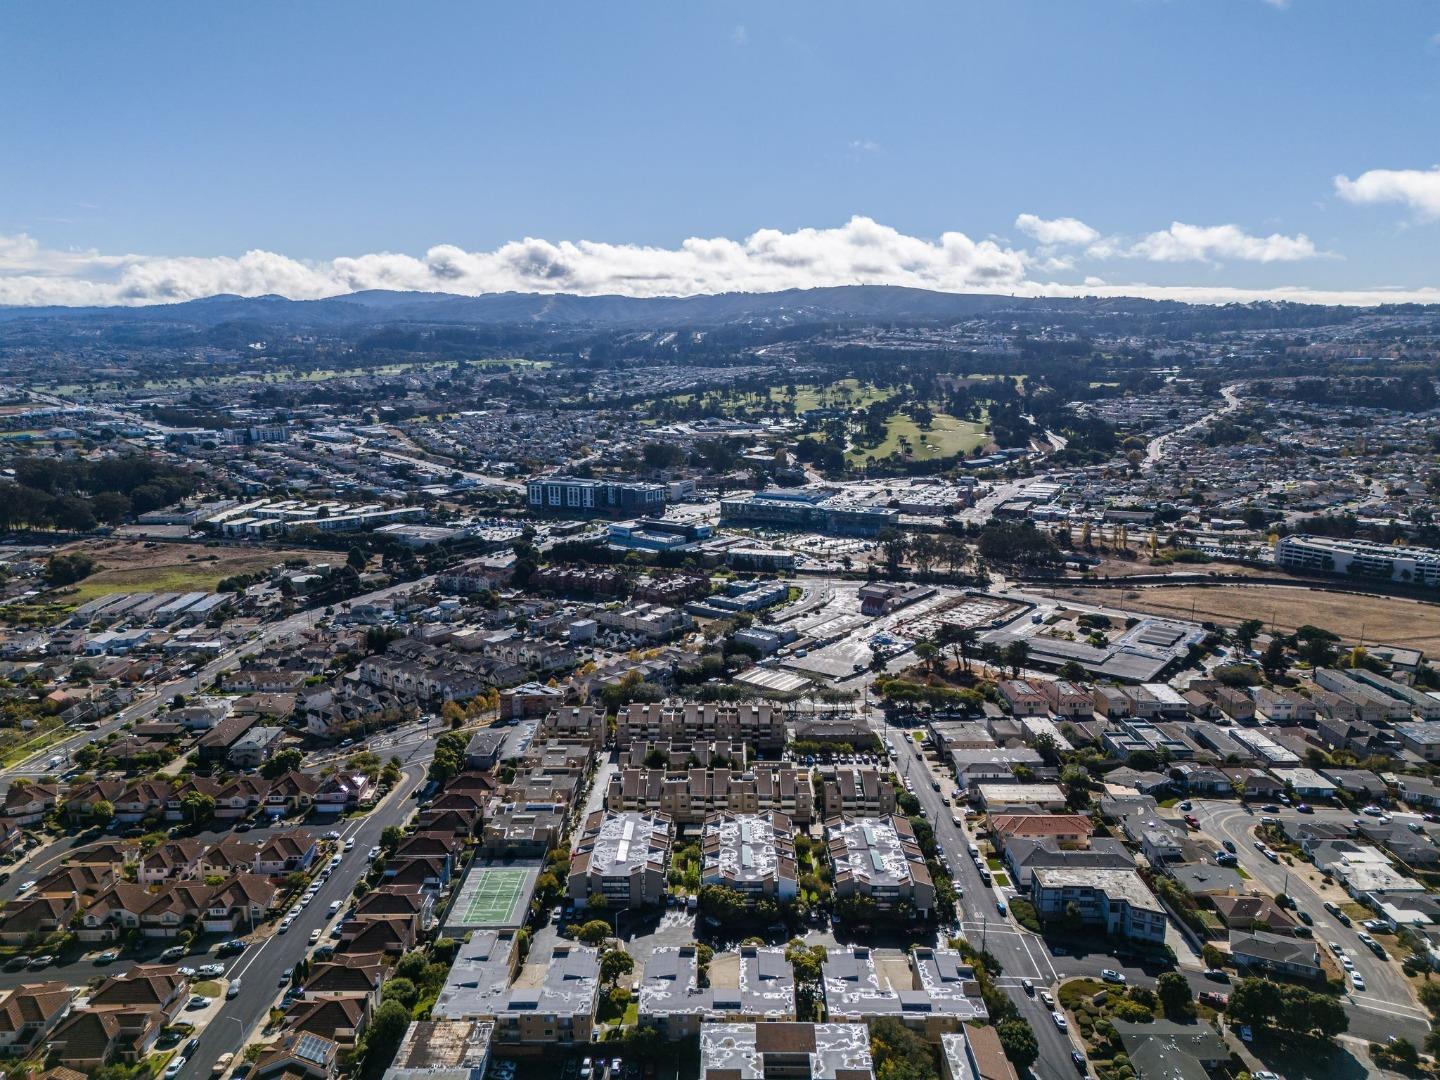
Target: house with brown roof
pixel 337 794
pixel 27 802
pixel 175 803
pixel 357 974
pixel 141 799
pixel 239 904
pixel 230 855
pixel 292 793
pixel 286 852
pixel 391 934
pixel 298 1056
pixel 115 910
pixel 28 1013
pixel 431 873
pixel 215 744
pixel 1252 912
pixel 241 796
pixel 1068 830
pixel 112 853
pixel 91 1038
pixel 178 907
pixel 170 861
pixel 396 900
pixel 35 917
pixel 81 800
pixel 456 822
pixel 341 1018
pixel 160 987
pixel 88 881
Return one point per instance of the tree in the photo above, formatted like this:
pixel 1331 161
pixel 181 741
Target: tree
pixel 1273 660
pixel 1175 995
pixel 959 638
pixel 928 652
pixel 390 838
pixel 387 1028
pixel 1246 633
pixel 449 760
pixel 68 569
pixel 103 812
pixel 402 990
pixel 593 932
pixel 899 1053
pixel 615 964
pixel 1017 653
pixel 356 559
pixel 279 764
pixel 1017 1039
pixel 197 806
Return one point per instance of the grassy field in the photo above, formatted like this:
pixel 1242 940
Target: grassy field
pixel 126 566
pixel 1382 619
pixel 945 437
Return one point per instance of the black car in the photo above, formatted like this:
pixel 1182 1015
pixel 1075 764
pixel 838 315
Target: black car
pixel 1304 917
pixel 1079 1059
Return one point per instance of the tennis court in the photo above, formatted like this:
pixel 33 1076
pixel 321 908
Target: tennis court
pixel 493 896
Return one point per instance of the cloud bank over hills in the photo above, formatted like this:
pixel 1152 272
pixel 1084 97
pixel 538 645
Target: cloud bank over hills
pixel 859 252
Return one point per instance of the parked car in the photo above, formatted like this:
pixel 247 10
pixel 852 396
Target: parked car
pixel 109 956
pixel 232 991
pixel 175 952
pixel 197 1002
pixel 173 1069
pixel 1059 1019
pixel 1110 975
pixel 42 961
pixel 1079 1059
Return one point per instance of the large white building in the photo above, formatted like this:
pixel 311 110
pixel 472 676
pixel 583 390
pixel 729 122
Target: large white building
pixel 1363 558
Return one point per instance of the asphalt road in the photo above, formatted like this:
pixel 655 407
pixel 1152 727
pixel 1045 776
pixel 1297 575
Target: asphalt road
pixel 1387 1006
pixel 259 968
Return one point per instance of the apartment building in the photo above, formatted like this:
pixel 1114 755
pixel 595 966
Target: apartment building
pixel 879 858
pixel 758 983
pixel 775 1051
pixel 753 854
pixel 1117 900
pixel 568 494
pixel 857 792
pixel 931 991
pixel 1066 698
pixel 621 857
pixel 689 798
pixel 762 726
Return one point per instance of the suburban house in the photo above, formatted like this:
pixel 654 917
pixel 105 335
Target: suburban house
pixel 1277 954
pixel 28 1013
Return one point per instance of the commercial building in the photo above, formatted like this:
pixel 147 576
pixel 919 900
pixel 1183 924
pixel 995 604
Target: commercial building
pixel 753 854
pixel 621 857
pixel 775 1051
pixel 568 494
pixel 1118 900
pixel 879 858
pixel 1359 558
pixel 443 1050
pixel 817 509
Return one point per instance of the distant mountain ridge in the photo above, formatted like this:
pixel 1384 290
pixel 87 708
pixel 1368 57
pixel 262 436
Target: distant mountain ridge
pixel 844 302
pixel 566 309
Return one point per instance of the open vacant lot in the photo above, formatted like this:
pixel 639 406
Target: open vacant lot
pixel 1382 619
pixel 129 566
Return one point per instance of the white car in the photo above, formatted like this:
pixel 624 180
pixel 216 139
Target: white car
pixel 315 936
pixel 1059 1019
pixel 374 854
pixel 1347 963
pixel 1047 998
pixel 335 906
pixel 285 924
pixel 350 844
pixel 1357 981
pixel 25 886
pixel 1337 948
pixel 173 1069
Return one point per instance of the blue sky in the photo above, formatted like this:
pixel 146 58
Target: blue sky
pixel 148 148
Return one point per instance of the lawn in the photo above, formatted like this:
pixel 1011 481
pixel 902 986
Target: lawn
pixel 946 437
pixel 33 743
pixel 132 567
pixel 208 988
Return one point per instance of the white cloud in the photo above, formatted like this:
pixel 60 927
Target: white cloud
pixel 1065 231
pixel 861 251
pixel 865 146
pixel 1419 189
pixel 740 35
pixel 1206 243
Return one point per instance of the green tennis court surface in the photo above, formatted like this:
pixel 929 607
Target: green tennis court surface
pixel 494 896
